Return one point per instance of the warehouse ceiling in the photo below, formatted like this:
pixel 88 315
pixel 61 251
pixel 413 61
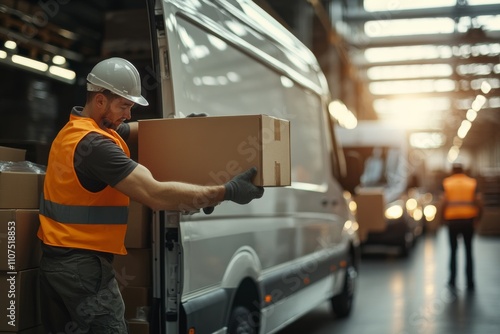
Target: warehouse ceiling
pixel 430 66
pixel 422 67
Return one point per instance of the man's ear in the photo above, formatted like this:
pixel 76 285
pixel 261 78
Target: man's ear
pixel 100 100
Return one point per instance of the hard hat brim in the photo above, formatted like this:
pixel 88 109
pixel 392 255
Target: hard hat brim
pixel 138 99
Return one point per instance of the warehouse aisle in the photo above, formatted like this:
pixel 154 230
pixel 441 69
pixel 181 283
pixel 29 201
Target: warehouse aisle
pixel 409 296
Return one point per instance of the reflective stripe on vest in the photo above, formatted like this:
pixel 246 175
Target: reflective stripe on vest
pixel 460 203
pixel 73 214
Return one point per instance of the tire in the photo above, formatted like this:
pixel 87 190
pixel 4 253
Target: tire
pixel 342 303
pixel 406 245
pixel 241 321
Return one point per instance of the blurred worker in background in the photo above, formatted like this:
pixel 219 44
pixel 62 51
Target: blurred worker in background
pixel 83 213
pixel 462 209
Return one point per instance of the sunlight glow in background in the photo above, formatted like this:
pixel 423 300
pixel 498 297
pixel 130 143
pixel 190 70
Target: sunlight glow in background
pixel 404 90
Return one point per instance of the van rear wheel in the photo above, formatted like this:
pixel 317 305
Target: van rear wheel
pixel 242 322
pixel 342 303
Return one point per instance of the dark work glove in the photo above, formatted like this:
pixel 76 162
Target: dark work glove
pixel 197 115
pixel 208 210
pixel 241 189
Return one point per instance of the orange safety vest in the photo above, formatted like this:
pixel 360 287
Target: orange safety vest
pixel 460 194
pixel 70 215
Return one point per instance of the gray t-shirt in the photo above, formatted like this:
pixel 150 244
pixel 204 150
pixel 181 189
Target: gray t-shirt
pixel 99 161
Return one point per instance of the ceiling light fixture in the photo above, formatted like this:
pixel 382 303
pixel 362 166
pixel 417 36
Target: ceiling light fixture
pixel 59 60
pixel 11 45
pixel 54 72
pixel 342 114
pixel 471 115
pixel 464 129
pixel 453 154
pixel 485 87
pixel 34 64
pixel 478 102
pixel 62 72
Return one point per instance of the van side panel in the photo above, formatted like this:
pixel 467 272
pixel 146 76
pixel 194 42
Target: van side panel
pixel 295 234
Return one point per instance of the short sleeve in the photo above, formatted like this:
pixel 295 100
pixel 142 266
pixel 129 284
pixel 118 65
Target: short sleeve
pixel 100 162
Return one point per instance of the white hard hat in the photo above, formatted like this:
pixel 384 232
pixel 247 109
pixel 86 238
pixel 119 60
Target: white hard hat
pixel 118 76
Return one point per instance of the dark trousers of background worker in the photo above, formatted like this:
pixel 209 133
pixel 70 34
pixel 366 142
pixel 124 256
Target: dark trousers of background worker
pixel 464 228
pixel 79 294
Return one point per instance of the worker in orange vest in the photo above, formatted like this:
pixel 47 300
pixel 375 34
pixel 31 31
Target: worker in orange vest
pixel 83 212
pixel 461 210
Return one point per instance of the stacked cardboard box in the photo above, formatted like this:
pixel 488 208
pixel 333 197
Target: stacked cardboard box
pixel 134 270
pixel 370 211
pixel 19 246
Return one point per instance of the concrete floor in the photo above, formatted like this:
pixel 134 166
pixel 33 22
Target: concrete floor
pixel 410 296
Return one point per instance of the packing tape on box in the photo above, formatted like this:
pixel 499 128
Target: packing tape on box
pixel 277 130
pixel 277 173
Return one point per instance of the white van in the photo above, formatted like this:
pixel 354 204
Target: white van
pixel 258 267
pixel 378 159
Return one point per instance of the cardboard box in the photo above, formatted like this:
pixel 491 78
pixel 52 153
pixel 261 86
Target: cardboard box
pixel 134 269
pixel 212 150
pixel 370 212
pixel 20 190
pixel 19 304
pixel 19 245
pixel 138 327
pixel 137 302
pixel 138 226
pixel 11 154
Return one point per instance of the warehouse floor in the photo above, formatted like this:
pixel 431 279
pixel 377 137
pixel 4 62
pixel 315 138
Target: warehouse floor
pixel 410 296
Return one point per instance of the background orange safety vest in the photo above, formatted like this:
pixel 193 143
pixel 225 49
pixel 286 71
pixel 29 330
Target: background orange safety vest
pixel 460 195
pixel 70 215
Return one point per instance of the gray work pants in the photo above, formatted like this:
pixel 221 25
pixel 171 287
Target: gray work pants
pixel 79 294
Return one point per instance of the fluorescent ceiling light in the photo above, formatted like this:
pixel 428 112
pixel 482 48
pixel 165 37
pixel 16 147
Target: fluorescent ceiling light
pixel 453 153
pixel 426 140
pixel 342 114
pixel 405 27
pixel 59 60
pixel 489 22
pixel 482 2
pixel 416 105
pixel 494 102
pixel 411 86
pixel 415 113
pixel 34 64
pixel 485 87
pixel 464 129
pixel 474 69
pixel 486 22
pixel 409 71
pixel 391 5
pixel 485 84
pixel 471 115
pixel 62 72
pixel 3 54
pixel 388 54
pixel 10 45
pixel 478 102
